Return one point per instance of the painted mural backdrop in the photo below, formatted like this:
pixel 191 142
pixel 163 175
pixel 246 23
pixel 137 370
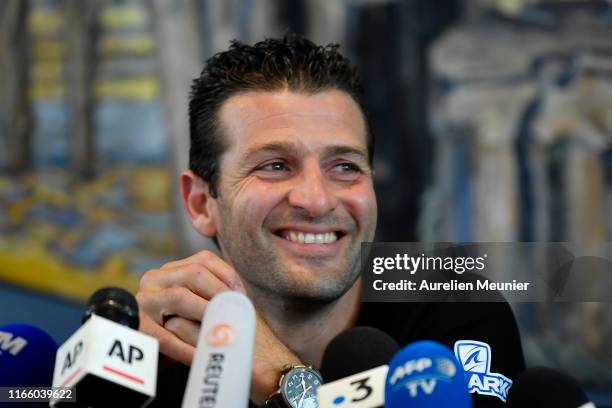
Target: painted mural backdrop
pixel 83 205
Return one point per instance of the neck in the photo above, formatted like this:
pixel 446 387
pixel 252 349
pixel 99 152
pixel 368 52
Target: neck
pixel 307 328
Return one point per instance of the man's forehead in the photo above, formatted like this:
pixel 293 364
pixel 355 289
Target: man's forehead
pixel 281 112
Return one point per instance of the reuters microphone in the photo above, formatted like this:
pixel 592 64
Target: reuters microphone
pixel 220 375
pixel 426 374
pixel 354 367
pixel 107 361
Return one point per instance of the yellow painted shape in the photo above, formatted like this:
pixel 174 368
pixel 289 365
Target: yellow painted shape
pixel 138 45
pixel 138 89
pixel 115 17
pixel 30 265
pixel 44 21
pixel 49 49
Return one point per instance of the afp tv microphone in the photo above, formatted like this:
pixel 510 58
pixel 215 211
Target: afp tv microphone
pixel 426 374
pixel 107 361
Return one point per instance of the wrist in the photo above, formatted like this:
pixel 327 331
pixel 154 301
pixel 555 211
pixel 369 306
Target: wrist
pixel 267 375
pixel 297 385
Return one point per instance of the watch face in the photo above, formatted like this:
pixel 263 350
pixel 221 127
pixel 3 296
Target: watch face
pixel 300 388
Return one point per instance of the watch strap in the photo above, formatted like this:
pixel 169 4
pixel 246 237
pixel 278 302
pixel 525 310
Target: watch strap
pixel 275 401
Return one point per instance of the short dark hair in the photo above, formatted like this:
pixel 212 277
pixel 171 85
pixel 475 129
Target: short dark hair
pixel 293 62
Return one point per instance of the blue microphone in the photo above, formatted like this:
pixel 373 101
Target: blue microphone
pixel 426 374
pixel 27 357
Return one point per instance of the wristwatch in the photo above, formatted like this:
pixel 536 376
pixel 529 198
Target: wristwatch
pixel 297 388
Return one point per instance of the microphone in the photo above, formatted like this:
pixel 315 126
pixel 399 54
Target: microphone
pixel 107 361
pixel 220 375
pixel 26 358
pixel 545 387
pixel 426 374
pixel 354 367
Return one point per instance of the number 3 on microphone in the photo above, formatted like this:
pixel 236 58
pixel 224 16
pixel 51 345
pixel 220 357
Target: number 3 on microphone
pixel 362 386
pixel 362 390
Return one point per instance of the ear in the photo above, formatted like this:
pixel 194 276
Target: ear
pixel 200 205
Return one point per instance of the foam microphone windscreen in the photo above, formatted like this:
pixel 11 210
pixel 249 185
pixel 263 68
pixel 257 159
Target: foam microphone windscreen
pixel 116 304
pixel 27 356
pixel 356 350
pixel 546 387
pixel 426 374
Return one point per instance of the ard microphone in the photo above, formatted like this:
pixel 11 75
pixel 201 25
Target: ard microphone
pixel 26 359
pixel 426 374
pixel 540 387
pixel 220 375
pixel 107 361
pixel 354 367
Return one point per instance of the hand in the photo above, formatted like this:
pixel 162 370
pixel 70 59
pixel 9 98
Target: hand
pixel 182 289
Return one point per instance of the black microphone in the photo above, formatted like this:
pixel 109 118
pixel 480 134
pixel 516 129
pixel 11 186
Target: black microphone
pixel 115 304
pixel 355 350
pixel 539 387
pixel 107 361
pixel 354 368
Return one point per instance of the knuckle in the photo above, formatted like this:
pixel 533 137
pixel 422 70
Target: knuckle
pixel 140 297
pixel 148 278
pixel 206 255
pixel 143 299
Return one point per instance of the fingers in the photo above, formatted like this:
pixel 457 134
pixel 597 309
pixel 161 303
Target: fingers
pixel 212 263
pixel 169 344
pixel 190 277
pixel 182 289
pixel 184 329
pixel 171 301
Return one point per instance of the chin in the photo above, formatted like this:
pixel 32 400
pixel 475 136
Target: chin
pixel 323 291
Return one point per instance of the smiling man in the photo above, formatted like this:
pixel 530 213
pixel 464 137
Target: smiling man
pixel 281 178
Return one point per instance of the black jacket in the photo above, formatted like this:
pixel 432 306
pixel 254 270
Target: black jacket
pixel 490 323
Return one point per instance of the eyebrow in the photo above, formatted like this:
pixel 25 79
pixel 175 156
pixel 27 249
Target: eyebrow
pixel 293 149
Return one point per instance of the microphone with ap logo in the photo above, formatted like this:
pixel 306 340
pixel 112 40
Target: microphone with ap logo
pixel 426 374
pixel 220 375
pixel 107 361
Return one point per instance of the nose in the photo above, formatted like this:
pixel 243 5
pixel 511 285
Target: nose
pixel 312 192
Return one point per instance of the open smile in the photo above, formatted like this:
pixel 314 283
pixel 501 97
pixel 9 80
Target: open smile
pixel 310 237
pixel 312 242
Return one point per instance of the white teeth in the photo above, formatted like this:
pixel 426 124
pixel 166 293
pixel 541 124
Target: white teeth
pixel 309 238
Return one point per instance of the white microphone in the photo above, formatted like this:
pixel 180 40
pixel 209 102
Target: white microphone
pixel 220 374
pixel 108 364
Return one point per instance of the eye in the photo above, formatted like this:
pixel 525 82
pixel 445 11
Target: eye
pixel 346 171
pixel 274 166
pixel 347 167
